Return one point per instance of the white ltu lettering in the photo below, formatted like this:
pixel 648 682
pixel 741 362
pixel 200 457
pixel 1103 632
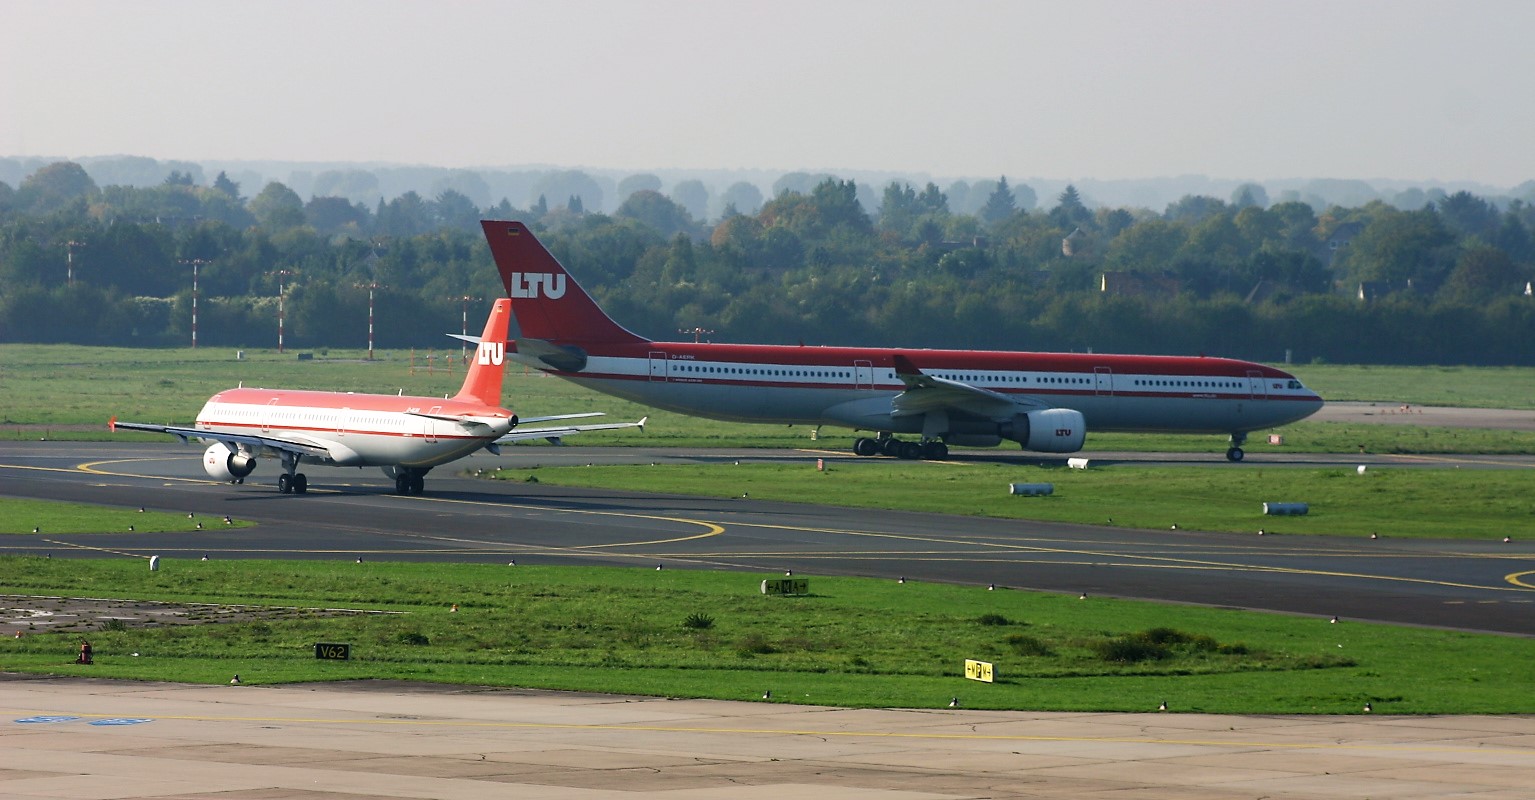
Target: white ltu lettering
pixel 491 353
pixel 532 284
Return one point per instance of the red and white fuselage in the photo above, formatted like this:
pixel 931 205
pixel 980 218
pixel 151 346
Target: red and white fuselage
pixel 1044 401
pixel 359 430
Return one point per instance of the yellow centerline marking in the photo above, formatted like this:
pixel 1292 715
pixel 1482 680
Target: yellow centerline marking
pixel 958 719
pixel 1101 558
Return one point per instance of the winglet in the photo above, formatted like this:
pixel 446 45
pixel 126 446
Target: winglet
pixel 641 423
pixel 112 424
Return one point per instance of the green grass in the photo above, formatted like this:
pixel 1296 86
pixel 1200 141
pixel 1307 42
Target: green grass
pixel 852 642
pixel 70 392
pixel 1426 503
pixel 1471 387
pixel 21 516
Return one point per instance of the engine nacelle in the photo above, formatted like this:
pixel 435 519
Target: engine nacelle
pixel 225 464
pixel 1052 430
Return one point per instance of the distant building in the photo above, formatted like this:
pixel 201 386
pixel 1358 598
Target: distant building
pixel 1075 243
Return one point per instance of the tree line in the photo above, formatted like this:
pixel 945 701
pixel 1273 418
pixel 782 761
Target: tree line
pixel 1237 276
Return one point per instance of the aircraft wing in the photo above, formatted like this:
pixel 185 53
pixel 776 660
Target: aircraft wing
pixel 231 440
pixel 925 393
pixel 555 434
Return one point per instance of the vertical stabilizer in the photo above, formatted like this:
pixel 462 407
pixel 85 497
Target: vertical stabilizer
pixel 548 302
pixel 482 383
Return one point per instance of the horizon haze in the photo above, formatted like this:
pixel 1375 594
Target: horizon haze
pixel 1399 91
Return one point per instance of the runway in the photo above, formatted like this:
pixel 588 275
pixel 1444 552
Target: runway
pixel 350 514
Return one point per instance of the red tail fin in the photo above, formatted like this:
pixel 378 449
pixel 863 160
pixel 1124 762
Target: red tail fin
pixel 548 302
pixel 483 381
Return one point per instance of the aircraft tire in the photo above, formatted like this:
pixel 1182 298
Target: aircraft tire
pixel 300 483
pixel 935 450
pixel 417 484
pixel 402 484
pixel 1235 454
pixel 865 446
pixel 284 484
pixel 891 447
pixel 910 451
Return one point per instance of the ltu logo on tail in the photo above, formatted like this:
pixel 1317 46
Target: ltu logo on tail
pixel 491 353
pixel 530 284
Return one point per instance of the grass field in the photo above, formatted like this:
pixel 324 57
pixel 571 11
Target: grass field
pixel 851 642
pixel 56 390
pixel 1416 503
pixel 19 515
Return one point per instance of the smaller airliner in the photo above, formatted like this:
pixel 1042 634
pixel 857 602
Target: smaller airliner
pixel 406 436
pixel 1046 402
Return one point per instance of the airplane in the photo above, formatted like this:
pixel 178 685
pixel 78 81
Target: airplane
pixel 406 436
pixel 1045 402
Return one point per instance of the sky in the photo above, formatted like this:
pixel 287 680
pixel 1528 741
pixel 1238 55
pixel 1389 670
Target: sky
pixel 1072 89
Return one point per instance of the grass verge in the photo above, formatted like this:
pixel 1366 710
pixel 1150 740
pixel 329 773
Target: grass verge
pixel 1421 503
pixel 49 517
pixel 852 642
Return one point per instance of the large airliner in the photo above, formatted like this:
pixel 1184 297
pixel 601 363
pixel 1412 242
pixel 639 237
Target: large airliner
pixel 406 436
pixel 1045 402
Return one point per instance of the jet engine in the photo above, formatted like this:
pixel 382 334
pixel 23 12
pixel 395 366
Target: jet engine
pixel 225 464
pixel 1052 430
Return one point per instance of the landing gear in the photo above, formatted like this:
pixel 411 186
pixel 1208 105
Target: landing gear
pixel 888 445
pixel 291 481
pixel 1234 453
pixel 409 481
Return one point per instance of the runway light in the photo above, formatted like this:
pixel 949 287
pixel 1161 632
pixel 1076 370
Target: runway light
pixel 1162 707
pixel 659 566
pixel 190 515
pixel 1368 708
pixel 141 509
pixel 36 529
pixel 901 579
pixel 1083 597
pixel 1506 540
pixel 1174 527
pixel 954 702
pixel 1374 535
pixel 768 695
pixel 1335 619
pixel 205 557
pixel 359 559
pixel 199 526
pixel 227 520
pixel 512 563
pixel 991 587
pixel 235 681
pixel 788 572
pixel 1260 531
pixel 130 529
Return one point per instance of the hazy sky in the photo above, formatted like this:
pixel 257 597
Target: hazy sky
pixel 1067 89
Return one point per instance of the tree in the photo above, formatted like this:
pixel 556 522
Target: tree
pixel 1468 214
pixel 657 212
pixel 223 184
pixel 570 183
pixel 277 207
pixel 55 186
pixel 331 215
pixel 1069 212
pixel 1248 195
pixel 1481 274
pixel 1194 208
pixel 637 183
pixel 693 196
pixel 1000 205
pixel 746 197
pixel 357 185
pixel 465 182
pixel 1400 246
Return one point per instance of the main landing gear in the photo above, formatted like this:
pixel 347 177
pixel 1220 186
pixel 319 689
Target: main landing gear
pixel 885 444
pixel 291 481
pixel 1234 453
pixel 409 481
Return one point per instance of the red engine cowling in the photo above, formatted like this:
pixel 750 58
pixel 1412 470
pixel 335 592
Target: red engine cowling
pixel 1052 430
pixel 225 464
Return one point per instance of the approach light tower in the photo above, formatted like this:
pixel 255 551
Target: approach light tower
pixel 463 316
pixel 281 275
pixel 195 262
pixel 69 260
pixel 370 286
